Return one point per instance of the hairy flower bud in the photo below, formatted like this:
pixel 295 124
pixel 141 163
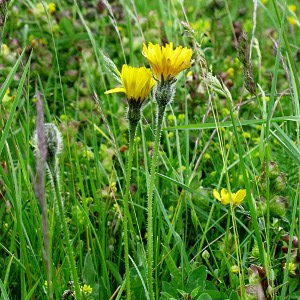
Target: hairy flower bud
pixel 52 147
pixel 278 206
pixel 273 170
pixel 279 183
pixel 261 207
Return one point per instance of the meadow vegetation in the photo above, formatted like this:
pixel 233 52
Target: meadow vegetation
pixel 149 149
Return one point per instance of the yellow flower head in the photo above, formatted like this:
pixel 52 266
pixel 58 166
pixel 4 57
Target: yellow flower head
pixel 227 197
pixel 51 8
pixel 292 20
pixel 86 289
pixel 137 83
pixel 167 62
pixel 292 7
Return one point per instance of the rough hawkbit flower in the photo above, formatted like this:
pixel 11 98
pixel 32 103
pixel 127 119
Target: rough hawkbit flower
pixel 166 62
pixel 137 84
pixel 226 197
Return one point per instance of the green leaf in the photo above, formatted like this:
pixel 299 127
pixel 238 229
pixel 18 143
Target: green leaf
pixel 114 270
pixel 89 273
pixel 169 289
pixel 2 288
pixel 204 296
pixel 229 123
pixel 198 275
pixel 32 290
pixel 288 145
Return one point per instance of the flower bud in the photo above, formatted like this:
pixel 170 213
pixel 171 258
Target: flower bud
pixel 165 92
pixel 279 183
pixel 262 183
pixel 205 255
pixel 278 206
pixel 256 274
pixel 254 292
pixel 261 207
pixel 53 145
pixel 273 170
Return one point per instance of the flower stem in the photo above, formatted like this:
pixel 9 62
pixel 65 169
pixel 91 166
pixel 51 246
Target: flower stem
pixel 159 121
pixel 132 131
pixel 55 177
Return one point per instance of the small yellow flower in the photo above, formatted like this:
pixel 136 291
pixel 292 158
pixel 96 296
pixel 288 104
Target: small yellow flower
pixel 86 289
pixel 171 134
pixel 51 8
pixel 137 83
pixel 234 269
pixel 292 7
pixel 206 157
pixel 292 20
pixel 246 135
pixel 171 118
pixel 181 117
pixel 4 50
pixel 167 62
pixel 264 1
pixel 230 72
pixel 227 197
pixel 292 268
pixel 213 173
pixel 137 139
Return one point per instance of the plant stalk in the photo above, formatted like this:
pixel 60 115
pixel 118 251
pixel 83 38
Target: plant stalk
pixel 159 121
pixel 55 177
pixel 132 132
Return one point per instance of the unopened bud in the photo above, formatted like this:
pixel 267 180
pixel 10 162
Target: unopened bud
pixel 278 206
pixel 205 255
pixel 261 207
pixel 165 92
pixel 279 183
pixel 273 170
pixel 53 145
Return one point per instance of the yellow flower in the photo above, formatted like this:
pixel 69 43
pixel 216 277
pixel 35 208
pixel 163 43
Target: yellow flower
pixel 292 268
pixel 167 62
pixel 234 269
pixel 137 83
pixel 246 135
pixel 227 197
pixel 86 289
pixel 292 20
pixel 4 50
pixel 51 8
pixel 230 72
pixel 292 7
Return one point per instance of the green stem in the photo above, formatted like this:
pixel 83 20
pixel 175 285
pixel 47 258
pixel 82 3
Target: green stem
pixel 132 131
pixel 159 120
pixel 55 177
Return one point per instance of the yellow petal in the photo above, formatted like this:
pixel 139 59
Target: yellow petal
pixel 165 61
pixel 216 195
pixel 116 90
pixel 239 197
pixel 225 197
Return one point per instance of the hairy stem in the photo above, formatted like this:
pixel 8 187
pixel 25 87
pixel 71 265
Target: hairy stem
pixel 159 120
pixel 132 131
